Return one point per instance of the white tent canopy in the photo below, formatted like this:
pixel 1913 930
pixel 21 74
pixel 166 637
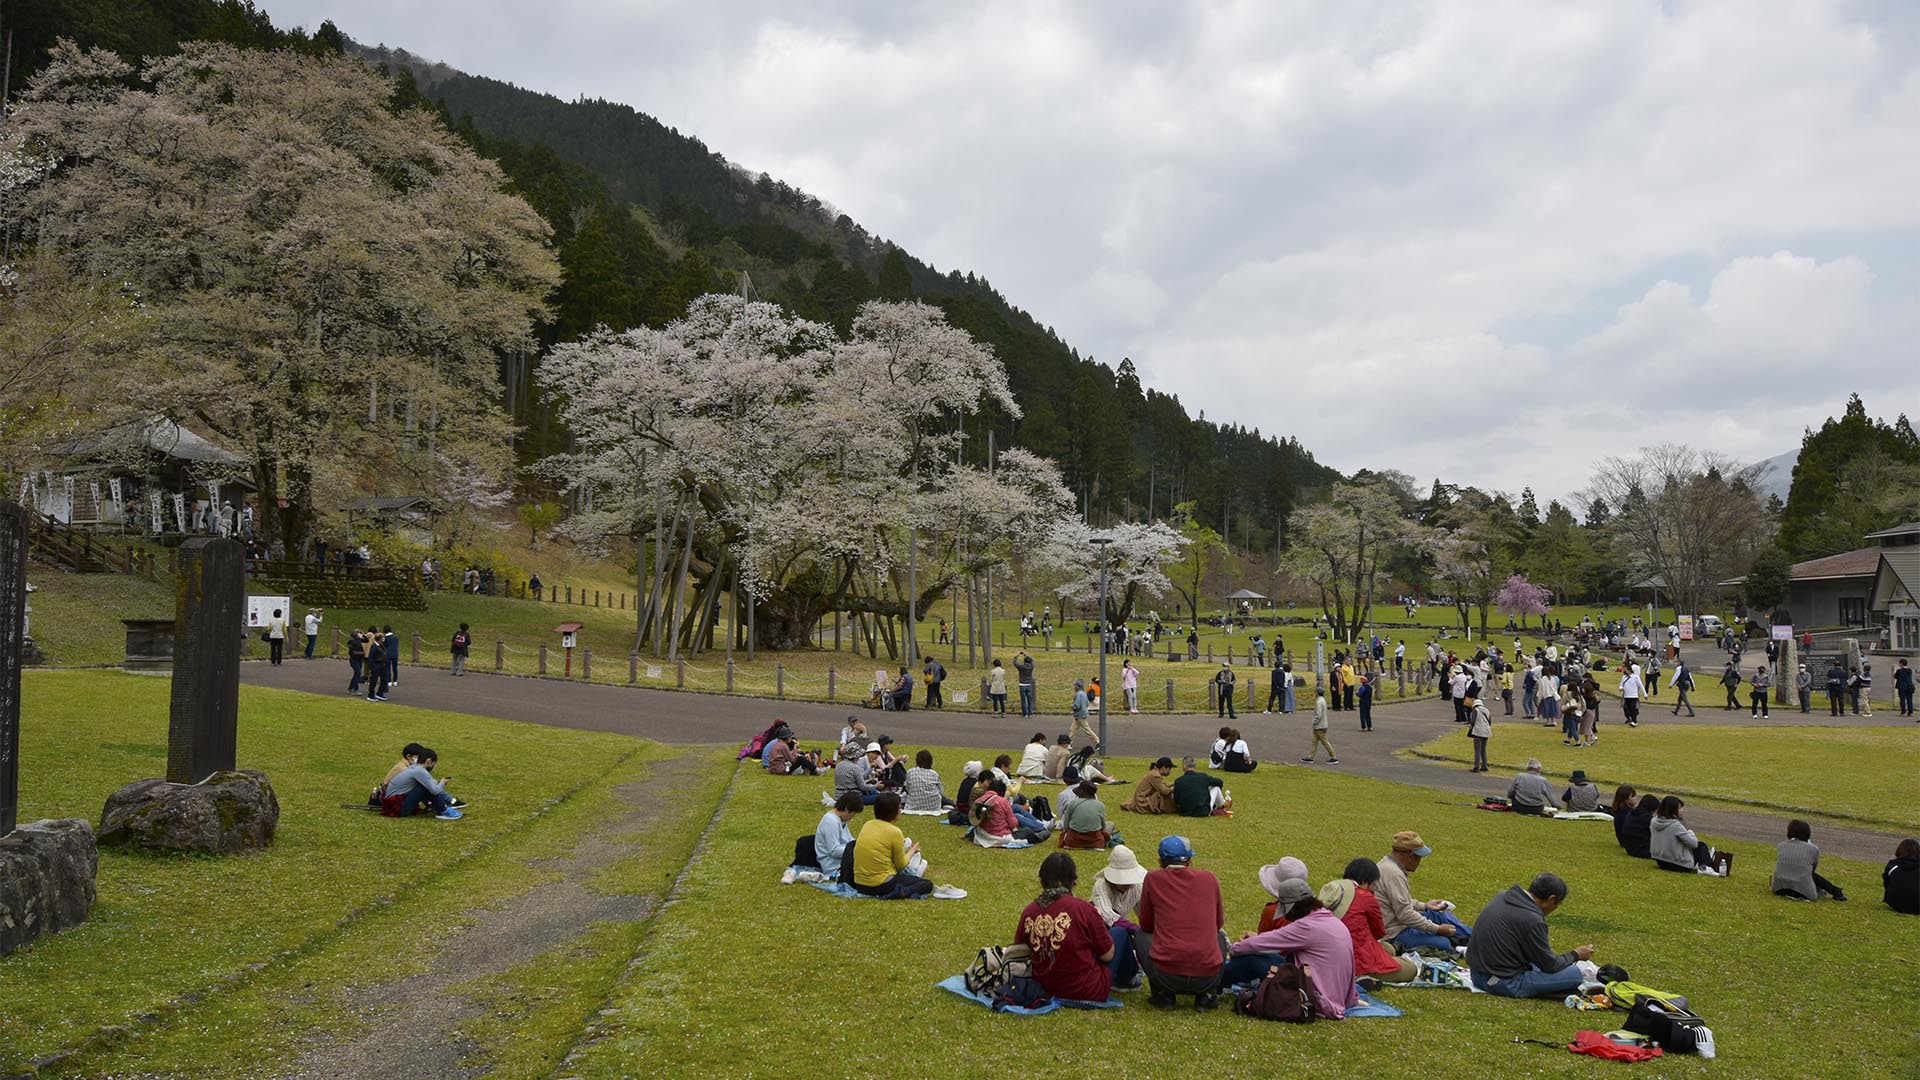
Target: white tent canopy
pixel 1245 594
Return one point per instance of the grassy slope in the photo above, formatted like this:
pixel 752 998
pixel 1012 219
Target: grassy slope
pixel 169 926
pixel 1781 983
pixel 1864 773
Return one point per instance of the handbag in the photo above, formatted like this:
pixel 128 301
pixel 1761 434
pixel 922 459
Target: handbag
pixel 1283 995
pixel 996 966
pixel 1674 1028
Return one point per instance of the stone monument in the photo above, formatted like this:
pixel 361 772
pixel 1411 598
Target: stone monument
pixel 203 804
pixel 46 868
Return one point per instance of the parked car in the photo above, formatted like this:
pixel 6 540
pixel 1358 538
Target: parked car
pixel 1708 624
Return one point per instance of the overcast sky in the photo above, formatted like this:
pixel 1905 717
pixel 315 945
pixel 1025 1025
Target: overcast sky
pixel 1480 241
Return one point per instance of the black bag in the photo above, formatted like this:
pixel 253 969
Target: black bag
pixel 1040 808
pixel 1665 1023
pixel 804 854
pixel 1284 994
pixel 1022 992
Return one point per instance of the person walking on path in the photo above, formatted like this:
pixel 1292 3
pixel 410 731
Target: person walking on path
pixel 1630 688
pixel 1365 697
pixel 1276 695
pixel 311 625
pixel 1762 682
pixel 1223 691
pixel 1480 730
pixel 1683 682
pixel 462 642
pixel 1730 679
pixel 1902 687
pixel 1320 729
pixel 377 680
pixel 1861 686
pixel 1082 706
pixel 1193 644
pixel 276 637
pixel 1023 665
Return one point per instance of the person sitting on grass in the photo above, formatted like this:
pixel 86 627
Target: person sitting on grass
pixel 414 787
pixel 1354 903
pixel 1796 871
pixel 1271 875
pixel 1153 795
pixel 1636 835
pixel 1230 752
pixel 409 754
pixel 1623 799
pixel 1033 760
pixel 1509 954
pixel 1083 821
pixel 881 855
pixel 1411 924
pixel 1116 893
pixel 1181 944
pixel 827 849
pixel 855 733
pixel 1530 793
pixel 996 815
pixel 890 772
pixel 1003 768
pixel 1581 796
pixel 1675 847
pixel 1071 946
pixel 786 758
pixel 1900 880
pixel 1197 794
pixel 922 785
pixel 1318 941
pixel 852 774
pixel 1055 768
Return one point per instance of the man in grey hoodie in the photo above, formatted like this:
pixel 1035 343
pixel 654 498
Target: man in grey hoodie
pixel 1508 953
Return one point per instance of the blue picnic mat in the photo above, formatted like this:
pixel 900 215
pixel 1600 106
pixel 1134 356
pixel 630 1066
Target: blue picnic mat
pixel 958 984
pixel 1371 1006
pixel 848 892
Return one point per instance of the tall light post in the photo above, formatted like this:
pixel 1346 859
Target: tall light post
pixel 1101 543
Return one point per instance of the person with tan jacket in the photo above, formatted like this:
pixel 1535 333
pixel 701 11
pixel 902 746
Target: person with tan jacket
pixel 1154 794
pixel 1410 923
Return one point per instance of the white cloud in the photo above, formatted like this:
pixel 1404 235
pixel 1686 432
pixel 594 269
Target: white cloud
pixel 1315 219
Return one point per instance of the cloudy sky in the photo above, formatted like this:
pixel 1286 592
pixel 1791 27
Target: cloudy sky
pixel 1482 241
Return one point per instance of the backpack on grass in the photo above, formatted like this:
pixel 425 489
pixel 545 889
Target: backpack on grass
pixel 1624 993
pixel 996 966
pixel 1284 994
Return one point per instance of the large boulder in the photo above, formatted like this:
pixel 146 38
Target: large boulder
pixel 46 879
pixel 226 813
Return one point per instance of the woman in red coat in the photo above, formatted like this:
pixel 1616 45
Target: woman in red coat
pixel 1351 900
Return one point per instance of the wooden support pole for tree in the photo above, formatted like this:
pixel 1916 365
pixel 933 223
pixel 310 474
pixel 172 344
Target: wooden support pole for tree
pixel 499 655
pixel 542 669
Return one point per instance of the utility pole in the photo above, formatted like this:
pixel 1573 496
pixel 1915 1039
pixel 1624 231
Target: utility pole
pixel 1101 543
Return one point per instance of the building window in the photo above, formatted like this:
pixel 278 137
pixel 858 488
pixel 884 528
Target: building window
pixel 1853 611
pixel 1906 634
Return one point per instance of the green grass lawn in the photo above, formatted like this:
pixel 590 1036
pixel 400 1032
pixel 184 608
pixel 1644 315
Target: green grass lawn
pixel 1864 773
pixel 747 977
pixel 165 928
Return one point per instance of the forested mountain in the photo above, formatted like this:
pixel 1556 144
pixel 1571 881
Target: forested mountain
pixel 645 218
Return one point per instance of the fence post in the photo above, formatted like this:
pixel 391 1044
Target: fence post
pixel 779 680
pixel 633 668
pixel 1400 674
pixel 1229 652
pixel 569 594
pixel 623 601
pixel 983 694
pixel 586 664
pixel 1169 695
pixel 679 674
pixel 1249 695
pixel 499 655
pixel 1213 696
pixel 729 675
pixel 543 658
pixel 416 646
pixel 830 686
pixel 1209 652
pixel 596 598
pixel 336 641
pixel 1069 638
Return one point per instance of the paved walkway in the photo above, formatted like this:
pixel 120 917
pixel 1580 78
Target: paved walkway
pixel 684 717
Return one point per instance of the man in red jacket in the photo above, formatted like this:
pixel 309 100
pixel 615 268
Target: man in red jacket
pixel 1181 943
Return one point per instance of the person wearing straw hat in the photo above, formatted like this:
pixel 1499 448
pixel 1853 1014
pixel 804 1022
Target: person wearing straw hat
pixel 1409 923
pixel 1116 895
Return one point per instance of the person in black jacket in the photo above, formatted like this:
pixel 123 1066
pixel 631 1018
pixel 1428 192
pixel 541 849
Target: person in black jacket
pixel 1901 878
pixel 1636 833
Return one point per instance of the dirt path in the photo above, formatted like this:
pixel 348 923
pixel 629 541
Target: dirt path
pixel 411 1022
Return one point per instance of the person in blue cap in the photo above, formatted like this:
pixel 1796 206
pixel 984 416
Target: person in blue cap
pixel 1182 941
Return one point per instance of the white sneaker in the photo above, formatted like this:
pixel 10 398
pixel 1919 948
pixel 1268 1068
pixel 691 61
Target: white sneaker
pixel 948 892
pixel 786 878
pixel 810 876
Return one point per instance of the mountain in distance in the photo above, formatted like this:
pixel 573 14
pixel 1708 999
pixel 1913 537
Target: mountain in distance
pixel 1776 473
pixel 645 217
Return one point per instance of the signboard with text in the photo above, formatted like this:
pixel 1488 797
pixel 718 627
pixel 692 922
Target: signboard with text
pixel 1686 628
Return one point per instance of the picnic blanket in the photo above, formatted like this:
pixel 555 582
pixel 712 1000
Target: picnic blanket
pixel 1444 974
pixel 958 985
pixel 848 892
pixel 1371 1007
pixel 1582 815
pixel 994 840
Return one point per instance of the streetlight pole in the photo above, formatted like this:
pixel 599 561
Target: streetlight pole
pixel 1101 543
